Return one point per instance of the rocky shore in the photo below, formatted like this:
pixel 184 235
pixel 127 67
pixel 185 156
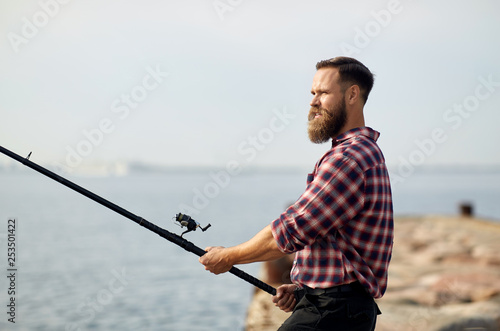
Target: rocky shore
pixel 444 276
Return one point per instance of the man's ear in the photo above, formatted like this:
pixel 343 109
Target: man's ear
pixel 353 94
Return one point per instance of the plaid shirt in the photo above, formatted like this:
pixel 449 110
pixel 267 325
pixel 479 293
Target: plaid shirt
pixel 342 226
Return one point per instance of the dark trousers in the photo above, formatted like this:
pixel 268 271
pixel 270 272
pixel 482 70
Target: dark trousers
pixel 346 307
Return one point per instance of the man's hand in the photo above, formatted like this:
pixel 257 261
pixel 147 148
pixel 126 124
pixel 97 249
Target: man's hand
pixel 216 260
pixel 262 247
pixel 285 297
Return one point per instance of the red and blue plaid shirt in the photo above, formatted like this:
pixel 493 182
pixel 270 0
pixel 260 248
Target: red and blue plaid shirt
pixel 342 226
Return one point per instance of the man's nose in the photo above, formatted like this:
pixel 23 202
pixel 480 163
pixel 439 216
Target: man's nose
pixel 314 101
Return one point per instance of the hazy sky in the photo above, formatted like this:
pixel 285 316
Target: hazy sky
pixel 206 82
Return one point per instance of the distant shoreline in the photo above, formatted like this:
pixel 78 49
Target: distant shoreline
pixel 139 168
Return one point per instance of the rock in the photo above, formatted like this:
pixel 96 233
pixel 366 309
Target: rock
pixel 483 315
pixel 466 287
pixel 478 316
pixel 444 276
pixel 263 315
pixel 487 254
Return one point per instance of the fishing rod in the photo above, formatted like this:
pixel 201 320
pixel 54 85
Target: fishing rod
pixel 184 220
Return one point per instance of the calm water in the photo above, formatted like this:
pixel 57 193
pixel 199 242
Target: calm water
pixel 80 266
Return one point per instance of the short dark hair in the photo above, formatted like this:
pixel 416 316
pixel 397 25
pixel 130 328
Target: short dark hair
pixel 351 71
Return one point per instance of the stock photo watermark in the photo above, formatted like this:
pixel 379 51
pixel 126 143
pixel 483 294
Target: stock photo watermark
pixel 31 27
pixel 95 304
pixel 222 7
pixel 420 318
pixel 12 270
pixel 249 149
pixel 454 118
pixel 122 107
pixel 363 36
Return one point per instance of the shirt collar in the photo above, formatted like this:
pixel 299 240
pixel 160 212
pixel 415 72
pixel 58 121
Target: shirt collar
pixel 360 131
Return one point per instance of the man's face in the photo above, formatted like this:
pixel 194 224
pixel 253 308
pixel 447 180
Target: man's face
pixel 328 113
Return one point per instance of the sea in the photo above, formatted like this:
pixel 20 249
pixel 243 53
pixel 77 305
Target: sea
pixel 80 266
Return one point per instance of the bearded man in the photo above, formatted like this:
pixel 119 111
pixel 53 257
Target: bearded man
pixel 341 227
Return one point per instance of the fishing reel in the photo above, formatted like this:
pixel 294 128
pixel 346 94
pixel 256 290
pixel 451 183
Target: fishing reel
pixel 189 223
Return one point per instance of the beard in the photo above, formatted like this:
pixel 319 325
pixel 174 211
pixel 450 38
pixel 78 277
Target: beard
pixel 328 125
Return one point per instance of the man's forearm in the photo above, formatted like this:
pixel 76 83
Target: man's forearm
pixel 262 247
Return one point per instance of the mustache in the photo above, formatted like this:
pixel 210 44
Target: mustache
pixel 316 110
